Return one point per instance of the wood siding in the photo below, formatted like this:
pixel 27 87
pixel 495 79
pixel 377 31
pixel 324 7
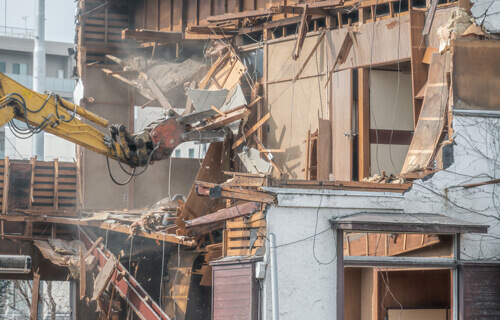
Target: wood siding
pixel 235 292
pixel 481 292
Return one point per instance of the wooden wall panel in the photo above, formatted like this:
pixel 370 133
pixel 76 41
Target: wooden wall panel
pixel 476 75
pixel 151 14
pixel 165 15
pixel 384 37
pixel 192 12
pixel 177 15
pixel 342 103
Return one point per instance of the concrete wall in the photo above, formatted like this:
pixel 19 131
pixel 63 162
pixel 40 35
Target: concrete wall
pixel 307 272
pixel 99 190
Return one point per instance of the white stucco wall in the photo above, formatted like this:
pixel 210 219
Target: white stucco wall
pixel 307 286
pixel 476 154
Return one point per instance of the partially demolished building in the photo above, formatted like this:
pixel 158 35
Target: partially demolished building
pixel 359 180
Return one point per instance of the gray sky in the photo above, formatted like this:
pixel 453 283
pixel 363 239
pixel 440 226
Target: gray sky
pixel 59 15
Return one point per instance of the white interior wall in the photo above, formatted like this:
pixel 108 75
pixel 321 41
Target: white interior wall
pixel 389 113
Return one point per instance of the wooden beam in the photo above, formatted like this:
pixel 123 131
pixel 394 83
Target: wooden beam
pixel 430 18
pixel 35 296
pixel 83 275
pixel 158 94
pixel 363 123
pixel 152 35
pixel 56 184
pixel 304 25
pixel 94 246
pixel 251 130
pixel 241 15
pixel 418 69
pixel 300 9
pixel 310 55
pixel 212 30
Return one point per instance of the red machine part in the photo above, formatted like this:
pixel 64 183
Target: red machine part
pixel 127 286
pixel 168 134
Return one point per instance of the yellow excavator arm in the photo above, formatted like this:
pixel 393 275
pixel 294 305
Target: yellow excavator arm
pixel 49 112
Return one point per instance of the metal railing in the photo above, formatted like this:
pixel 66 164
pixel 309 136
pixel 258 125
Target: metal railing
pixel 15 32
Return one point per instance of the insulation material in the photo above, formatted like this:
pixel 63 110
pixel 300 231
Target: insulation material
pixel 456 26
pixel 204 99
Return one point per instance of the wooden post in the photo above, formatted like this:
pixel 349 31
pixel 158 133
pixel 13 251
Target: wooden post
pixel 418 69
pixel 28 229
pixel 131 111
pixel 363 123
pixel 367 244
pixel 33 165
pixel 308 151
pixel 53 231
pixel 6 175
pixel 56 184
pixel 83 275
pixel 35 295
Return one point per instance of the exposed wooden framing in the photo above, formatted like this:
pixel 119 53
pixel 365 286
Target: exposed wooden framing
pixel 28 229
pixel 363 123
pixel 418 69
pixel 152 35
pixel 241 15
pixel 270 25
pixel 343 185
pixel 33 165
pixel 56 184
pixel 53 230
pixel 35 296
pixel 248 133
pixel 6 174
pixel 430 18
pixel 310 55
pixel 308 154
pixel 83 275
pixel 300 9
pixel 342 54
pixel 94 246
pixel 99 9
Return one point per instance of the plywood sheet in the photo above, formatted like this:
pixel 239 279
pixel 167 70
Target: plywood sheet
pixel 476 75
pixel 324 149
pixel 284 67
pixel 294 109
pixel 417 314
pixel 432 116
pixel 341 90
pixel 374 44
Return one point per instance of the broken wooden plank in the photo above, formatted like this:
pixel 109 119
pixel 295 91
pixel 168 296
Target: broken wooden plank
pixel 83 275
pixel 231 116
pixel 324 149
pixel 158 94
pixel 152 35
pixel 215 191
pixel 304 26
pixel 251 130
pixel 430 17
pixel 222 215
pixel 103 278
pixel 313 50
pixel 429 51
pixel 94 246
pixel 431 121
pixel 244 181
